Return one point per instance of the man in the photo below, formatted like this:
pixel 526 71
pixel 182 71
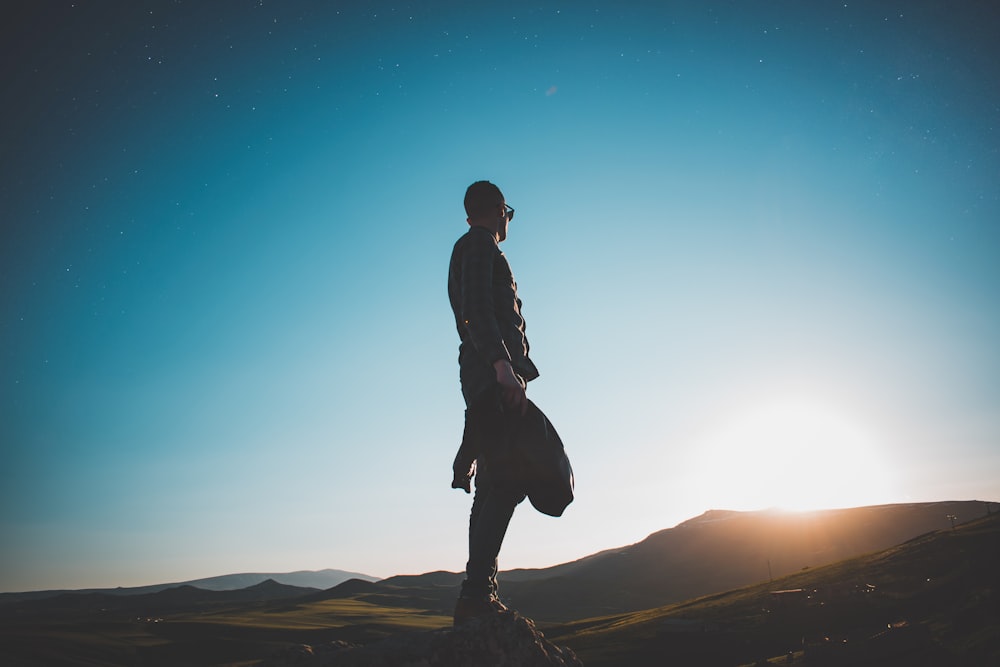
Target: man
pixel 494 369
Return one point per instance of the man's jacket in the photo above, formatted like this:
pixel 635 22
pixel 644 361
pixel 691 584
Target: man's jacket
pixel 514 451
pixel 483 297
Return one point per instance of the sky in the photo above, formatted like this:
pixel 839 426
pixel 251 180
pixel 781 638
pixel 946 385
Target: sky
pixel 758 246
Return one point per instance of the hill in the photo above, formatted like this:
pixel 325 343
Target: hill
pixel 936 587
pixel 930 601
pixel 717 551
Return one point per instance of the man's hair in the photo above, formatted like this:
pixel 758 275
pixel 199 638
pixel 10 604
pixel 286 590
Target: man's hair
pixel 480 197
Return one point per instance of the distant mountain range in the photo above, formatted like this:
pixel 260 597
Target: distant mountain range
pixel 307 579
pixel 717 551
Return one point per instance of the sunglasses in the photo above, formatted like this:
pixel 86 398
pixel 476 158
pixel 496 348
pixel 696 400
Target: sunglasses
pixel 510 212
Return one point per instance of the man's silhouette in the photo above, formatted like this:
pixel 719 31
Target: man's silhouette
pixel 494 369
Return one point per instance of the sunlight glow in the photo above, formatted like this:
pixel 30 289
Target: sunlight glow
pixel 793 454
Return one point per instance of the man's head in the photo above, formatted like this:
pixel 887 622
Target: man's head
pixel 486 207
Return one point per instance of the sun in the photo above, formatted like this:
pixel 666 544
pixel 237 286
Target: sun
pixel 793 454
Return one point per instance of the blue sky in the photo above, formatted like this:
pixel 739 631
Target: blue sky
pixel 757 245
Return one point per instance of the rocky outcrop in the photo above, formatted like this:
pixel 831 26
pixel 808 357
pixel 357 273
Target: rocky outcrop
pixel 502 640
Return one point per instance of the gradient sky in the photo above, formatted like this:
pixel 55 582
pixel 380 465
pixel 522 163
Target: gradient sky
pixel 758 245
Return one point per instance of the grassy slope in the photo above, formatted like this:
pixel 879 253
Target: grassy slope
pixel 943 585
pixel 223 635
pixel 716 552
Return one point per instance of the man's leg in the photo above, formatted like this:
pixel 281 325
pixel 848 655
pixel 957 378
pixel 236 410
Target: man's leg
pixel 492 509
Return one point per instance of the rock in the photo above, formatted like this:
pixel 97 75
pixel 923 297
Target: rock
pixel 506 639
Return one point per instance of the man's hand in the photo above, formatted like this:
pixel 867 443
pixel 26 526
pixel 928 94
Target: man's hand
pixel 461 481
pixel 511 389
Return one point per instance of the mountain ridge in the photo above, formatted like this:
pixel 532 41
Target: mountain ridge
pixel 314 579
pixel 714 552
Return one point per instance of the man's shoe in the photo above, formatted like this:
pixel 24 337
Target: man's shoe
pixel 467 609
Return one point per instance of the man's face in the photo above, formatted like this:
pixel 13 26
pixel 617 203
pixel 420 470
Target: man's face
pixel 495 219
pixel 502 222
